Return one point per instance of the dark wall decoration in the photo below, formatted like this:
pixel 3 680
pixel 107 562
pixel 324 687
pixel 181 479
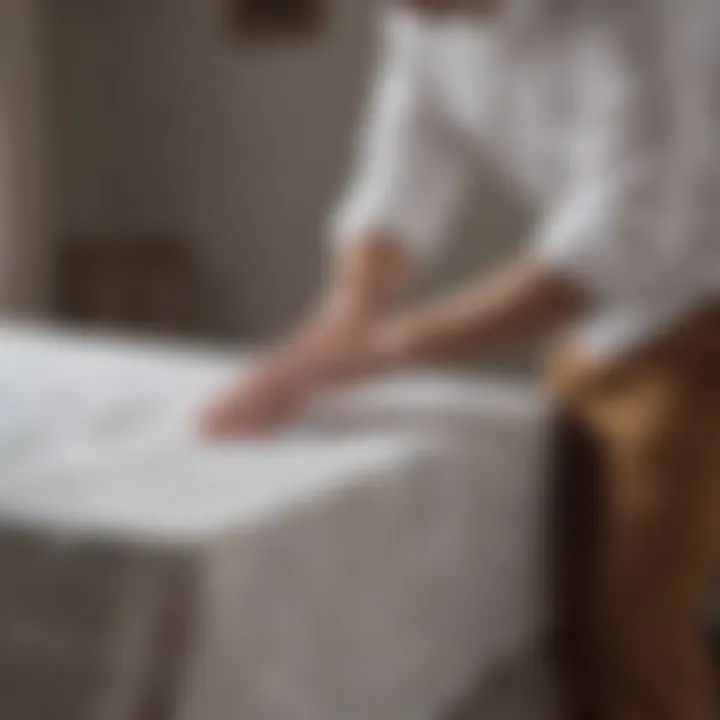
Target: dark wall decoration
pixel 277 18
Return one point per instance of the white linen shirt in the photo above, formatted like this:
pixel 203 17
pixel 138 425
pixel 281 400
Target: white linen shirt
pixel 605 115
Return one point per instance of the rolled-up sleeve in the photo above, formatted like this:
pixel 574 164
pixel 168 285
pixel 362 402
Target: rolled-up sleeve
pixel 409 172
pixel 619 227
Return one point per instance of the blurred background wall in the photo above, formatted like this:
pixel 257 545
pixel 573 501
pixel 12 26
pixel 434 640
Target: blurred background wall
pixel 165 121
pixel 25 223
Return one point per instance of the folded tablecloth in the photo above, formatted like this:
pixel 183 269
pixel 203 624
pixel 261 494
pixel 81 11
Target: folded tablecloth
pixel 363 566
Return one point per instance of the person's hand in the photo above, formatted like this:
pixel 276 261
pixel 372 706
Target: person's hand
pixel 273 390
pixel 284 380
pixel 338 344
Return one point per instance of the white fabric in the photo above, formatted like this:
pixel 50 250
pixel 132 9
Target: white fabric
pixel 606 114
pixel 365 565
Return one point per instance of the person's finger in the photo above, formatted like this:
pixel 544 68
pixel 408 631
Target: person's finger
pixel 222 415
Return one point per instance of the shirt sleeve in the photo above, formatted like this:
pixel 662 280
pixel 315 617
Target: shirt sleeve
pixel 618 228
pixel 409 171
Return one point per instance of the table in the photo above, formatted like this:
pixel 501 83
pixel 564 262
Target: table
pixel 365 564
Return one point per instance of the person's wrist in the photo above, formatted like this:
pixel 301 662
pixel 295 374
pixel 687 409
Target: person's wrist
pixel 392 347
pixel 382 350
pixel 333 333
pixel 346 316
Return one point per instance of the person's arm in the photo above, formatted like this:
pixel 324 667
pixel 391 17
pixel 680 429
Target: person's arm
pixel 522 300
pixel 408 175
pixel 364 278
pixel 609 239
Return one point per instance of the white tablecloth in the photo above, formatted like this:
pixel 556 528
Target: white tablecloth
pixel 363 566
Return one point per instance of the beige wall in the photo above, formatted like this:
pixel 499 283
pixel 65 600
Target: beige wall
pixel 166 121
pixel 24 201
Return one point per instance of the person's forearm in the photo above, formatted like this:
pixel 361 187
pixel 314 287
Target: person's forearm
pixel 364 278
pixel 517 303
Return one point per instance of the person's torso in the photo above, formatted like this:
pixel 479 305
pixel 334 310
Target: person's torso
pixel 505 103
pixel 512 98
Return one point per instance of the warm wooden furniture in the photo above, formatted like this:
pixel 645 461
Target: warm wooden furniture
pixel 147 284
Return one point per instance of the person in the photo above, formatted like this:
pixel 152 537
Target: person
pixel 604 113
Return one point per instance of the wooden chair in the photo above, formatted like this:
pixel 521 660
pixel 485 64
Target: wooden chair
pixel 143 284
